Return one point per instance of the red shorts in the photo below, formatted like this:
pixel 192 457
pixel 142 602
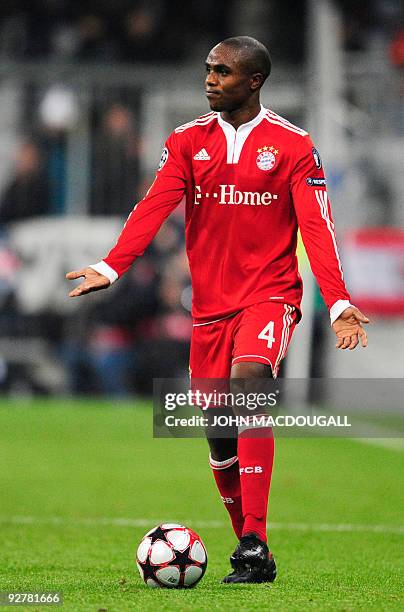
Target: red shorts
pixel 260 333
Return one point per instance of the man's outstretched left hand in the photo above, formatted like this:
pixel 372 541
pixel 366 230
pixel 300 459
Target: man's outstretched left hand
pixel 348 328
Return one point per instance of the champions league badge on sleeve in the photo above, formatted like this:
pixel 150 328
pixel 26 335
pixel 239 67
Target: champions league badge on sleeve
pixel 316 182
pixel 266 159
pixel 163 158
pixel 317 158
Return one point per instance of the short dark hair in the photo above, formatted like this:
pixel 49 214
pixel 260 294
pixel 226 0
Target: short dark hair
pixel 255 54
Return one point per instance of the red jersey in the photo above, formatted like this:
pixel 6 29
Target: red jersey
pixel 247 191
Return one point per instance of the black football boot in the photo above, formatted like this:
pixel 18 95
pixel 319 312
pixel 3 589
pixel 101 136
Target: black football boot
pixel 252 562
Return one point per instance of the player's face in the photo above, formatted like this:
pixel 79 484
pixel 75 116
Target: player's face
pixel 227 82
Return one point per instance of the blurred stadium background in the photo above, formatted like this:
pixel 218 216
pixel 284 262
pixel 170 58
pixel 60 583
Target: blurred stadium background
pixel 89 91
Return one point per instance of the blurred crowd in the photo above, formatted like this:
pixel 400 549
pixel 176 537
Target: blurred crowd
pixel 104 31
pixel 129 335
pixel 172 30
pixel 38 182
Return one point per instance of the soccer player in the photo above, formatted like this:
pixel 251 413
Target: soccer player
pixel 250 180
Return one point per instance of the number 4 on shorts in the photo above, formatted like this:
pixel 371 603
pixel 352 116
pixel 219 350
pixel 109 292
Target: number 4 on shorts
pixel 268 334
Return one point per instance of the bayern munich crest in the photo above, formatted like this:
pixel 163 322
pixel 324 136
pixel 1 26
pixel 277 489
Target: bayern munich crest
pixel 266 159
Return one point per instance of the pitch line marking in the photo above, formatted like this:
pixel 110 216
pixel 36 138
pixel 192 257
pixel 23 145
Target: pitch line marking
pixel 394 444
pixel 147 522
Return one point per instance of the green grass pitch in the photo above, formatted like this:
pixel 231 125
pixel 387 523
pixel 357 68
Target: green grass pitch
pixel 70 470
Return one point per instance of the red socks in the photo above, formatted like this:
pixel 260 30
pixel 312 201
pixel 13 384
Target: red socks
pixel 227 479
pixel 256 455
pixel 244 481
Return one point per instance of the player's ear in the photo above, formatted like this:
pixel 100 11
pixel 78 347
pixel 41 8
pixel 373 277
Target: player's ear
pixel 256 81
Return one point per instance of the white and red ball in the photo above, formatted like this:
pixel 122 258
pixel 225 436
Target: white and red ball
pixel 171 556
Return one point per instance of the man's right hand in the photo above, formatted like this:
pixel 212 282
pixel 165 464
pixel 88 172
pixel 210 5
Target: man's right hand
pixel 94 281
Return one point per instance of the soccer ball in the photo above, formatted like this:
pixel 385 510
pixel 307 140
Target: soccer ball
pixel 171 556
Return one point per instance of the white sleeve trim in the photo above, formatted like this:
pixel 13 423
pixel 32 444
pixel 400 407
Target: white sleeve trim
pixel 103 268
pixel 338 308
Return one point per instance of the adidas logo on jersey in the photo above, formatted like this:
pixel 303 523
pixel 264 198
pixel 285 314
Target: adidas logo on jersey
pixel 203 155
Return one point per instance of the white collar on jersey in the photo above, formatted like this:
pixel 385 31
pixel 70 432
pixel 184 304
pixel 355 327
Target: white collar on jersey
pixel 236 138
